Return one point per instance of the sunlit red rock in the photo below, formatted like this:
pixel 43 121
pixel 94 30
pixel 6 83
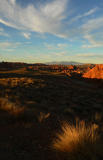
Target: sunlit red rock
pixel 70 67
pixel 96 72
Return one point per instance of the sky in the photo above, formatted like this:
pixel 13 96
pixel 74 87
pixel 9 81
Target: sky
pixel 39 31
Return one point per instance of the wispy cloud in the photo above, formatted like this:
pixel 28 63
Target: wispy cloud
pixel 44 18
pixel 89 29
pixel 26 35
pixel 60 46
pixel 93 24
pixel 5 44
pixel 88 13
pixel 92 42
pixel 7 23
pixel 49 17
pixel 53 17
pixel 9 45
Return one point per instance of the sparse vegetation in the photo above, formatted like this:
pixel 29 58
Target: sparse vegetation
pixel 33 102
pixel 79 142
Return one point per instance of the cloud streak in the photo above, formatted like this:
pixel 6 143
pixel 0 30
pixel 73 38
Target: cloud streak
pixel 46 18
pixel 92 42
pixel 9 45
pixel 89 13
pixel 93 24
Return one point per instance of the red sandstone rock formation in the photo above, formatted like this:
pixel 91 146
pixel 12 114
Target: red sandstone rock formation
pixel 70 67
pixel 96 72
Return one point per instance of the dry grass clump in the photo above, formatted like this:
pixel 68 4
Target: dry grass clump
pixel 78 142
pixel 10 107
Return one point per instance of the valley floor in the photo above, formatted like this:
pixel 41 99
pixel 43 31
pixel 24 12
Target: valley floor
pixel 33 105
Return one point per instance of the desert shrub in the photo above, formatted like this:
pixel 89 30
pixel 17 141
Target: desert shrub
pixel 79 142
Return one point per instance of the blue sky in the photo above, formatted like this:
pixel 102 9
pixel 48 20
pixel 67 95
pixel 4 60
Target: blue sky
pixel 51 30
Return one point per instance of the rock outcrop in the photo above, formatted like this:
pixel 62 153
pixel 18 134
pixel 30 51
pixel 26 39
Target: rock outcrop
pixel 96 72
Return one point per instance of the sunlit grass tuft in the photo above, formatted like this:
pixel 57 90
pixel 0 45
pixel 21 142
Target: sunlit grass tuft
pixel 78 142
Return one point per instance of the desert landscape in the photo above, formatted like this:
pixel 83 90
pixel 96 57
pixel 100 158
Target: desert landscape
pixel 51 79
pixel 51 111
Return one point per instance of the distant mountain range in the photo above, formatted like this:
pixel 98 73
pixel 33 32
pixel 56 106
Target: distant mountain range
pixel 40 64
pixel 64 63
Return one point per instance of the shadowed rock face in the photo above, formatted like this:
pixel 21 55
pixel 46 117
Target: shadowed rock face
pixel 96 72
